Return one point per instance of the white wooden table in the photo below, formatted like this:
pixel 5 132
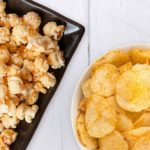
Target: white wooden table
pixel 108 23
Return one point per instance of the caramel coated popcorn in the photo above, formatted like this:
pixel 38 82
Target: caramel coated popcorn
pixel 25 58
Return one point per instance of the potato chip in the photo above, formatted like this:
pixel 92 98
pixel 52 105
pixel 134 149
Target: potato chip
pixel 82 105
pixel 123 123
pixel 104 79
pixel 115 57
pixel 100 117
pixel 142 143
pixel 113 141
pixel 134 116
pixel 133 88
pixel 125 67
pixel 86 88
pixel 147 110
pixel 85 138
pixel 144 120
pixel 139 56
pixel 113 103
pixel 133 135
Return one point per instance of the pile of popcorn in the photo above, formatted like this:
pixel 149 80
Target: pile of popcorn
pixel 25 58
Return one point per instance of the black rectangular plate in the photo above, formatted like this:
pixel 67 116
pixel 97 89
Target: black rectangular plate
pixel 68 45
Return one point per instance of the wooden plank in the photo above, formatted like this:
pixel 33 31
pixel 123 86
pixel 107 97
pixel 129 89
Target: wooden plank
pixel 117 22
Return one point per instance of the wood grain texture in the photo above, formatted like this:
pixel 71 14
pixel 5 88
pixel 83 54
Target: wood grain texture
pixel 109 23
pixel 117 22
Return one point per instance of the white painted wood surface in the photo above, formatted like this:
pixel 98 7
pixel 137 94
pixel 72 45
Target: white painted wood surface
pixel 108 23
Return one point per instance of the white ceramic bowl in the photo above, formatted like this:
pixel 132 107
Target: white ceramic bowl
pixel 77 95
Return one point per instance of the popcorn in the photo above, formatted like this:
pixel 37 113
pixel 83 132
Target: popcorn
pixel 52 30
pixel 39 87
pixel 41 43
pixel 26 112
pixel 25 58
pixel 41 64
pixel 21 34
pixel 4 35
pixel 10 122
pixel 14 99
pixel 3 14
pixel 32 97
pixel 13 19
pixel 56 60
pixel 33 19
pixel 2 6
pixel 3 146
pixel 30 113
pixel 11 46
pixel 47 79
pixel 3 109
pixel 3 70
pixel 1 127
pixel 8 136
pixel 26 74
pixel 29 65
pixel 13 70
pixel 15 85
pixel 17 60
pixel 4 54
pixel 31 55
pixel 11 107
pixel 20 113
pixel 3 91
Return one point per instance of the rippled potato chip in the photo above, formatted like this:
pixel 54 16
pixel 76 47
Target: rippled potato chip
pixel 124 123
pixel 133 135
pixel 144 120
pixel 133 88
pixel 139 56
pixel 100 117
pixel 115 57
pixel 82 105
pixel 104 79
pixel 142 143
pixel 85 138
pixel 86 88
pixel 134 116
pixel 125 67
pixel 112 101
pixel 113 141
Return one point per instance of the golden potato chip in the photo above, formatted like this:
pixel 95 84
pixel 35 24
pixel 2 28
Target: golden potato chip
pixel 115 57
pixel 82 105
pixel 123 123
pixel 104 79
pixel 144 120
pixel 100 117
pixel 85 138
pixel 142 143
pixel 125 67
pixel 134 116
pixel 112 101
pixel 133 88
pixel 113 141
pixel 86 88
pixel 133 135
pixel 139 56
pixel 147 110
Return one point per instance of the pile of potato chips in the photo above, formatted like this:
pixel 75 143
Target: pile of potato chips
pixel 115 111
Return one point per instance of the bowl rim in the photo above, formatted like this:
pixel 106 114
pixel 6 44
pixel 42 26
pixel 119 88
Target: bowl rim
pixel 87 72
